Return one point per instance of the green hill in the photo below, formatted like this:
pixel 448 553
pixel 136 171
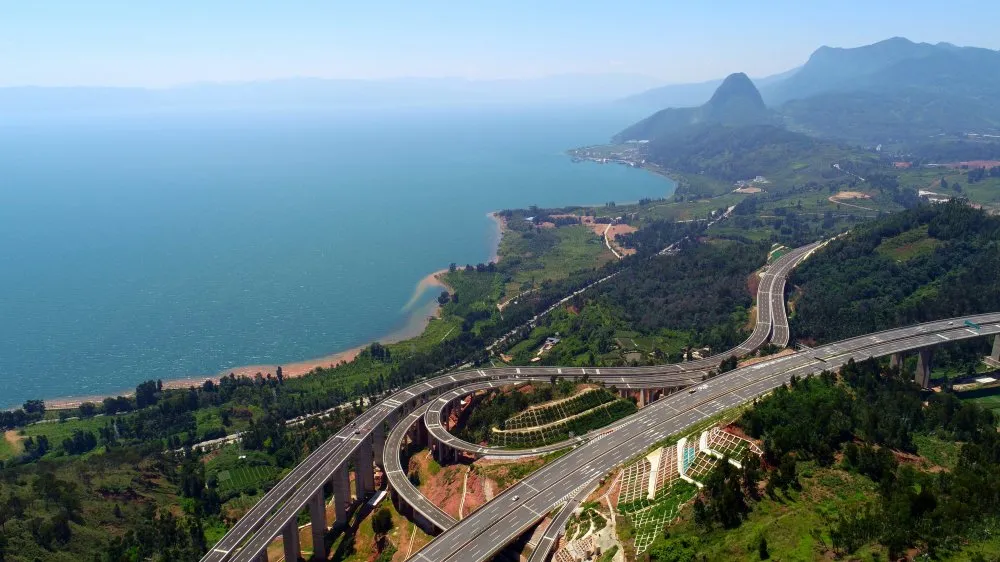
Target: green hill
pixel 924 264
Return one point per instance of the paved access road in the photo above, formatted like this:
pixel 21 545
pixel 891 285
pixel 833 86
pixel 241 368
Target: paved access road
pixel 491 527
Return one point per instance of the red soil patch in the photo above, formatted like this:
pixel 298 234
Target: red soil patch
pixel 753 283
pixel 475 493
pixel 736 430
pixel 444 489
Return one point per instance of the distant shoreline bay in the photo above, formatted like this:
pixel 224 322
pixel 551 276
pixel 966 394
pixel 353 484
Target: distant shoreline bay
pixel 181 248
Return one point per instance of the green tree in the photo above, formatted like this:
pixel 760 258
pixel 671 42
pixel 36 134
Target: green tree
pixel 762 548
pixel 382 521
pixel 34 408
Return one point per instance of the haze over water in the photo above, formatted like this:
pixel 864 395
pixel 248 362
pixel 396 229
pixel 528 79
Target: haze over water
pixel 171 246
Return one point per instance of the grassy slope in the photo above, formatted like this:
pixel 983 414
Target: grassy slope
pixel 8 449
pixel 104 484
pixel 794 525
pixel 551 253
pixel 986 191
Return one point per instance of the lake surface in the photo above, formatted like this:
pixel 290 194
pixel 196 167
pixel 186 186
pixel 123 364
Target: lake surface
pixel 170 246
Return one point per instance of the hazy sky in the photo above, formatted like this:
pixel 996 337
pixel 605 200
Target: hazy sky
pixel 146 43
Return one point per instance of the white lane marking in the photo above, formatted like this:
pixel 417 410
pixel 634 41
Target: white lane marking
pixel 942 336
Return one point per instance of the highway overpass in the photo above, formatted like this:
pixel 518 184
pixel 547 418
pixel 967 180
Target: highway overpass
pixel 359 444
pixel 364 442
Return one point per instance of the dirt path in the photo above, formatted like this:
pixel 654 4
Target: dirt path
pixel 461 504
pixel 13 439
pixel 607 242
pixel 413 535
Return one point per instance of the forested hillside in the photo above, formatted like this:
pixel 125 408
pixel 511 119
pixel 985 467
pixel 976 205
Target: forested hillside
pixel 699 288
pixel 859 466
pixel 923 264
pixel 733 153
pixel 656 309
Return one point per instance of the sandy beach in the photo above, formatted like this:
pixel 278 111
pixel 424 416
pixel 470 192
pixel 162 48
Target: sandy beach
pixel 501 227
pixel 417 321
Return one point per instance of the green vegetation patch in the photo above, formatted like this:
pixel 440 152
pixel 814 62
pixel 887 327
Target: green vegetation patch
pixel 578 425
pixel 852 286
pixel 908 245
pixel 246 478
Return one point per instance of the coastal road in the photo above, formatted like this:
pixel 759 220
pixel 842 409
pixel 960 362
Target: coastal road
pixel 490 528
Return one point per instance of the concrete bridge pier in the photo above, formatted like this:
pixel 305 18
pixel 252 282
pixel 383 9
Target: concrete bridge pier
pixel 923 374
pixel 341 495
pixel 290 538
pixel 364 475
pixel 317 517
pixel 435 447
pixel 378 443
pixel 423 438
pixel 443 454
pixel 423 523
pixel 896 360
pixel 995 356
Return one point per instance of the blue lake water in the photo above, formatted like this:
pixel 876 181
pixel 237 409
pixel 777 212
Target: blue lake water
pixel 170 246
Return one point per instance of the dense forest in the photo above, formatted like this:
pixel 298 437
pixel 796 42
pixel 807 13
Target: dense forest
pixel 702 287
pixel 927 263
pixel 864 422
pixel 731 153
pixel 697 297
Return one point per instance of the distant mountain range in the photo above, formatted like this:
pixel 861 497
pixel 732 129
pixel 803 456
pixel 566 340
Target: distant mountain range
pixel 893 90
pixel 326 93
pixel 687 95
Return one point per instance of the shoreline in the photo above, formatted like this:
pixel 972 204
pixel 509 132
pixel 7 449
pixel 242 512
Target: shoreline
pixel 500 226
pixel 415 323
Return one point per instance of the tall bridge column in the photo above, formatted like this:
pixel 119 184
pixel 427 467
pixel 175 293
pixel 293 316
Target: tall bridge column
pixel 996 348
pixel 341 495
pixel 435 447
pixel 290 538
pixel 378 442
pixel 365 477
pixel 923 375
pixel 317 516
pixel 896 360
pixel 421 432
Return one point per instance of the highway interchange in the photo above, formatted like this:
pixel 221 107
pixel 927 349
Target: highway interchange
pixel 502 520
pixel 487 530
